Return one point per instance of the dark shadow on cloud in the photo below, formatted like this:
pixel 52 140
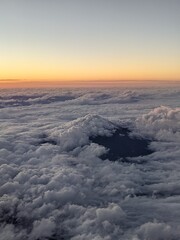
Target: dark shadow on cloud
pixel 122 146
pixel 56 99
pixel 25 100
pixel 47 140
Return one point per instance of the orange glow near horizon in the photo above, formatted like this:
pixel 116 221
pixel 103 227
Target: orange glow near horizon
pixel 14 83
pixel 47 73
pixel 30 71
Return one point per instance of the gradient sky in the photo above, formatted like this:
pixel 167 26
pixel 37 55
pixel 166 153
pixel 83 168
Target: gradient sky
pixel 89 40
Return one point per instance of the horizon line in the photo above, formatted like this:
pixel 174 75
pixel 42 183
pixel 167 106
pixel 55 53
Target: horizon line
pixel 21 83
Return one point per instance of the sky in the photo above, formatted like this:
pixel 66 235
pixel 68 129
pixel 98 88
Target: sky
pixel 79 40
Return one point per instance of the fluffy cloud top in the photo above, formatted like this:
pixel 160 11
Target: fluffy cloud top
pixel 162 123
pixel 53 185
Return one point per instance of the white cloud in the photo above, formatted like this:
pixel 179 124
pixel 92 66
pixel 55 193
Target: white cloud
pixel 156 231
pixel 162 123
pixel 51 190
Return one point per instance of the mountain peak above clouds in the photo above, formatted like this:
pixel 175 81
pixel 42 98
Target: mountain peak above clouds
pixel 117 140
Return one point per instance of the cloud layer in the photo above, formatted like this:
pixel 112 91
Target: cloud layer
pixel 53 185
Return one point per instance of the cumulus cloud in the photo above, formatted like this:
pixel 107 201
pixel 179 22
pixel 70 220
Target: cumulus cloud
pixel 163 123
pixel 53 185
pixel 156 231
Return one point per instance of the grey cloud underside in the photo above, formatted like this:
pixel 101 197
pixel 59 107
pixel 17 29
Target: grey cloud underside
pixel 53 183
